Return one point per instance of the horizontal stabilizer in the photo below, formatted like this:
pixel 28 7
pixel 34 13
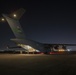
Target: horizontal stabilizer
pixel 18 13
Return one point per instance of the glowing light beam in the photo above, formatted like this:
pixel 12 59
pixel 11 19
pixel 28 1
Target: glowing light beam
pixel 15 15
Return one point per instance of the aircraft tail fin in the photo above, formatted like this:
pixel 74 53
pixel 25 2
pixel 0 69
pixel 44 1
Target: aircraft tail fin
pixel 14 24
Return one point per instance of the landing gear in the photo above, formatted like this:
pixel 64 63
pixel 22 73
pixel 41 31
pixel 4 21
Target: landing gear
pixel 20 52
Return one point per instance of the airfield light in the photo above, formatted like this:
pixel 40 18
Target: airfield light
pixel 61 50
pixel 14 15
pixel 68 49
pixel 3 19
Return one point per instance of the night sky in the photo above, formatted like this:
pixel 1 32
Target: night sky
pixel 44 21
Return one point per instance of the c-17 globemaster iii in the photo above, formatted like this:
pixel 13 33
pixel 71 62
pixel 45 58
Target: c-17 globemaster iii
pixel 28 44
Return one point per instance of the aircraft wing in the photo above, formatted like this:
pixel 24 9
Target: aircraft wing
pixel 61 44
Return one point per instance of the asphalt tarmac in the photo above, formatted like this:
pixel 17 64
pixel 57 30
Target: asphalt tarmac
pixel 37 64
